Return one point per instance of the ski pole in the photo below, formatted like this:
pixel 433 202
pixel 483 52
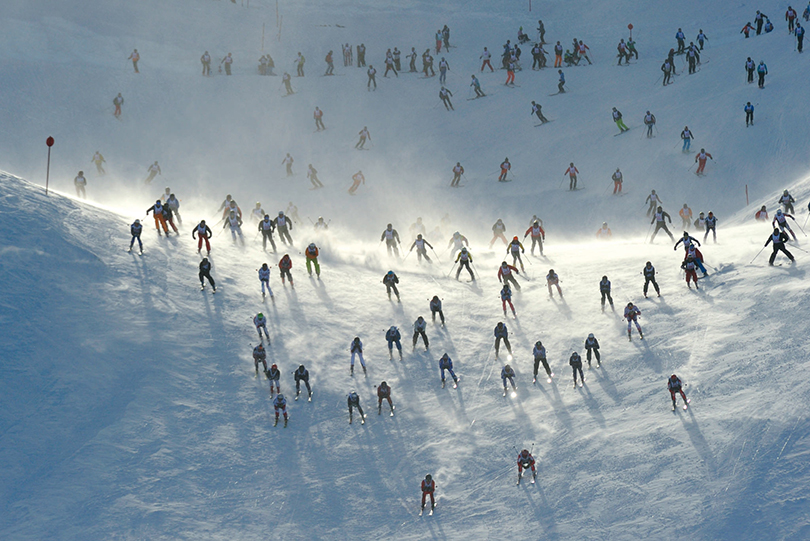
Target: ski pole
pixel 474 269
pixel 801 249
pixel 561 181
pixel 451 270
pixel 435 254
pixel 648 233
pixel 529 260
pixel 756 256
pixel 800 228
pixel 691 166
pixel 805 220
pixel 406 256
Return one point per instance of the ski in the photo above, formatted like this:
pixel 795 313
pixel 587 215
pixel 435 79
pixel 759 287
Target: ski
pixel 543 123
pixel 621 132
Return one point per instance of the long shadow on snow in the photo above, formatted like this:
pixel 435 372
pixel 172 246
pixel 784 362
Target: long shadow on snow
pixel 699 442
pixel 650 358
pixel 607 385
pixel 562 306
pixel 593 406
pixel 557 405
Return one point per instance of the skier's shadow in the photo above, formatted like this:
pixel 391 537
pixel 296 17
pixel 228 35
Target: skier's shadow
pixel 557 405
pixel 546 511
pixel 662 305
pixel 651 359
pixel 593 406
pixel 295 306
pixel 562 306
pixel 699 442
pixel 320 290
pixel 608 386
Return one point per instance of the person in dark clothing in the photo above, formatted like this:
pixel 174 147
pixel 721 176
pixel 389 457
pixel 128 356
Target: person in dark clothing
pixel 302 374
pixel 778 239
pixel 649 278
pixel 205 272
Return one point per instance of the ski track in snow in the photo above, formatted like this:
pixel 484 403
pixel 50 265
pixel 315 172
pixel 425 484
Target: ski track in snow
pixel 129 407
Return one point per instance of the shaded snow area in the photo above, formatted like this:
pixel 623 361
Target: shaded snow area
pixel 128 403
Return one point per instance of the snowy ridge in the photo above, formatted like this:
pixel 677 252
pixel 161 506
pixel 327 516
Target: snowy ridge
pixel 175 437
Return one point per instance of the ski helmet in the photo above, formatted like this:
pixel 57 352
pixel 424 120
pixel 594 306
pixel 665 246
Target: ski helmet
pixel 649 264
pixel 463 249
pixel 157 202
pixel 301 368
pixel 260 346
pixel 662 208
pixel 503 264
pixel 205 260
pixel 515 238
pixel 266 216
pixel 685 234
pixel 280 397
pixel 312 245
pixel 590 335
pixel 137 221
pixel 629 304
pixel 281 213
pixel 604 224
pixel 779 212
pixel 775 231
pixel 260 315
pixel 264 265
pixel 389 226
pixel 390 273
pixel 202 222
pixel 524 452
pixel 538 344
pixel 604 277
pixel 419 236
pixel 428 478
pixel 258 205
pixel 701 214
pixel 673 376
pixel 508 368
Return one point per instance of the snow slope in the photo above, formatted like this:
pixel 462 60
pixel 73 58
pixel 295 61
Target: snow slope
pixel 129 408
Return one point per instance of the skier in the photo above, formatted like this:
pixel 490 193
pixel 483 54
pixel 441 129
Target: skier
pixel 790 17
pixel 135 230
pixel 384 393
pixel 235 223
pixel 288 162
pixel 505 275
pixel 553 279
pixel 667 68
pixel 510 74
pixel 302 374
pixel 320 225
pixel 274 375
pixel 205 60
pixel 361 55
pixel 174 205
pixel 283 225
pixel 299 64
pixel 759 18
pixel 572 176
pixel 693 253
pixel 618 178
pixel 443 67
pixel 505 167
pixel 427 64
pixel 153 170
pixel 280 404
pixel 689 266
pixel 649 121
pixel 356 348
pixel 604 289
pixel 318 116
pixel 686 216
pixel 780 220
pixel 604 233
pixel 477 87
pixel 135 56
pixel 631 48
pixel 353 401
pixel 458 170
pixel 525 461
pixel 762 214
pixel 538 236
pixel 205 272
pixel 232 207
pixel 701 158
pixel 391 238
pixel 419 330
pixel 393 336
pixel 786 200
pixel 417 228
pixel 446 363
pixel 264 279
pixel 457 241
pixel 286 79
pixel 700 223
pixel 762 71
pixel 687 137
pixel 498 230
pixel 778 238
pixel 261 323
pixel 799 37
pixel 364 134
pixel 372 77
pixel 444 95
pixel 675 386
pixel 436 308
pixel 561 80
pixel 539 353
pixel 502 333
pixel 592 345
pixel 347 55
pixel 508 374
pixel 357 178
pixel 659 219
pixel 515 248
pixel 284 267
pixel 421 251
pixel 711 223
pixel 390 280
pixel 538 57
pixel 687 241
pixel 624 53
pixel 259 356
pixel 693 57
pixel 168 217
pixel 632 314
pixel 203 233
pixel 157 214
pixel 330 65
pixel 80 183
pixel 750 67
pixel 749 114
pixel 267 226
pixel 397 60
pixel 617 118
pixel 649 278
pixel 538 110
pixel 428 488
pixel 506 297
pixel 701 38
pixel 575 361
pixel 98 159
pixel 486 63
pixel 464 260
pixel 228 60
pixel 118 101
pixel 389 65
pixel 312 259
pixel 681 40
pixel 258 212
